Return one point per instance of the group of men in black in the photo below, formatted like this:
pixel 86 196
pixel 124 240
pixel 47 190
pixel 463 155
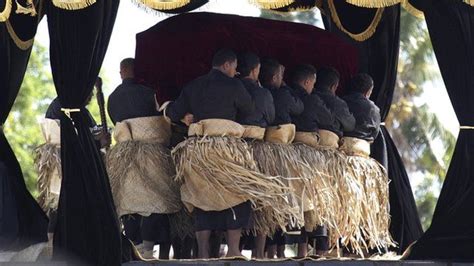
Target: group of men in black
pixel 250 91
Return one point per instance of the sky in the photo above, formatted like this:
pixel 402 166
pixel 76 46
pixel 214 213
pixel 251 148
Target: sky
pixel 132 19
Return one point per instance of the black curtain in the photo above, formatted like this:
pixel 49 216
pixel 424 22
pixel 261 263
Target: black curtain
pixel 22 222
pixel 87 228
pixel 451 234
pixel 378 56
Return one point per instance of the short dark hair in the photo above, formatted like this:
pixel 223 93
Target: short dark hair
pixel 222 56
pixel 247 63
pixel 327 77
pixel 127 63
pixel 361 83
pixel 269 68
pixel 302 72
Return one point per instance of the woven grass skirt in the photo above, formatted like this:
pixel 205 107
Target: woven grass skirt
pixel 48 165
pixel 141 170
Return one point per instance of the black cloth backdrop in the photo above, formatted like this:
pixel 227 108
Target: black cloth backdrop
pixel 166 54
pixel 451 234
pixel 378 56
pixel 22 221
pixel 87 229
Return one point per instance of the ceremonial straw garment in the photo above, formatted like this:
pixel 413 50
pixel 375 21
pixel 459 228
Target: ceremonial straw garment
pixel 218 171
pixel 140 168
pixel 280 158
pixel 268 159
pixel 323 161
pixel 48 165
pixel 373 232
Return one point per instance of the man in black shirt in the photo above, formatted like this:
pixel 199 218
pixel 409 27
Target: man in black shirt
pixel 344 121
pixel 134 101
pixel 315 111
pixel 286 105
pixel 366 113
pixel 130 100
pixel 264 115
pixel 249 69
pixel 216 95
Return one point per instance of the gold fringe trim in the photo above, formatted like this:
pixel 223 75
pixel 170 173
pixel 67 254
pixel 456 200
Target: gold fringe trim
pixel 413 10
pixel 73 4
pixel 5 14
pixel 374 3
pixel 163 4
pixel 366 34
pixel 469 2
pixel 271 4
pixel 23 45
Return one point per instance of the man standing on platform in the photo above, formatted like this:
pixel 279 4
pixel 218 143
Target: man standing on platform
pixel 329 134
pixel 144 192
pixel 214 97
pixel 307 127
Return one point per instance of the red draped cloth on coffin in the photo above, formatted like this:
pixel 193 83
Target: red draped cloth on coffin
pixel 180 48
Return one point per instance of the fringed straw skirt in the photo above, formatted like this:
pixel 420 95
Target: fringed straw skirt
pixel 48 166
pixel 220 173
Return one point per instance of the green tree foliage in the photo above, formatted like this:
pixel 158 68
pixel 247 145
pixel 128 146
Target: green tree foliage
pixel 308 17
pixel 424 143
pixel 22 127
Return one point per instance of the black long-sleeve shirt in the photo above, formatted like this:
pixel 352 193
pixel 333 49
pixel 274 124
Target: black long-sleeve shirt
pixel 315 112
pixel 214 95
pixel 264 114
pixel 131 100
pixel 286 105
pixel 344 121
pixel 367 116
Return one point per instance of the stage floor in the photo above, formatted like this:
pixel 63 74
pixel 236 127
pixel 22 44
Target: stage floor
pixel 300 263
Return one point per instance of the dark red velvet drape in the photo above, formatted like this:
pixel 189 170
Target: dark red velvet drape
pixel 179 49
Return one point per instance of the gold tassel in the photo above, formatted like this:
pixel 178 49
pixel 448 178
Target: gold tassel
pixel 23 45
pixel 374 3
pixel 271 4
pixel 5 14
pixel 366 34
pixel 73 4
pixel 413 10
pixel 29 9
pixel 163 4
